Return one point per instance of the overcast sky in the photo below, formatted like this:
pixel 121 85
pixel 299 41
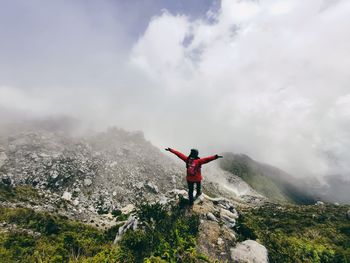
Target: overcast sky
pixel 266 78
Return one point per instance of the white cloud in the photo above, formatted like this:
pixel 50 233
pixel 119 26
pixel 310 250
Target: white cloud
pixel 265 75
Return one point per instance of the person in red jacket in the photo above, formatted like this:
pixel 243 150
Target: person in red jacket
pixel 193 165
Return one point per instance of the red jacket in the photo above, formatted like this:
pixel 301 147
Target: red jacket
pixel 198 177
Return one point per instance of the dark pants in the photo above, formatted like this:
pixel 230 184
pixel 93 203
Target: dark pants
pixel 190 190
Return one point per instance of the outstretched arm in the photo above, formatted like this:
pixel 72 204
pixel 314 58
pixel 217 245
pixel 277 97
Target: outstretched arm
pixel 178 154
pixel 209 159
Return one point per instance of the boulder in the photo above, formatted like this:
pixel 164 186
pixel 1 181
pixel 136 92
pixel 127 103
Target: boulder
pixel 211 217
pixel 67 196
pixel 87 182
pixel 249 251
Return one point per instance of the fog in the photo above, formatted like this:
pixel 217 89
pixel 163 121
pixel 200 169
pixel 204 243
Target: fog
pixel 265 78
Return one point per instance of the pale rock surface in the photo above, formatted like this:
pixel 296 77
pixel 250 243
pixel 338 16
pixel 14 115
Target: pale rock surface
pixel 67 196
pixel 249 251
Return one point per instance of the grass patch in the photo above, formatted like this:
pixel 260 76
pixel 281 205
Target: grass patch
pixel 299 233
pixel 18 193
pixel 165 234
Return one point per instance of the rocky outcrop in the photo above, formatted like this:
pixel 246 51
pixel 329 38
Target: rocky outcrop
pixel 249 251
pixel 95 173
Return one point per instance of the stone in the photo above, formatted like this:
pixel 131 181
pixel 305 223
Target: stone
pixel 211 217
pixel 228 213
pixel 7 180
pixel 127 209
pixel 152 187
pixel 67 196
pixel 319 203
pixel 230 222
pixel 220 241
pixel 3 159
pixel 249 251
pixel 54 174
pixel 87 182
pixel 131 223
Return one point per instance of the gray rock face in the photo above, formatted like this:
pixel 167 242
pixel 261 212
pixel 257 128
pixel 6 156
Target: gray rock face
pixel 102 171
pixel 249 251
pixel 3 158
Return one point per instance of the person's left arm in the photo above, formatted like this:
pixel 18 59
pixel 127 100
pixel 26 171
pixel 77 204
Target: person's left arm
pixel 209 159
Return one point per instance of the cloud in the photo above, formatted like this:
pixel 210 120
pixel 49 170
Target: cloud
pixel 266 78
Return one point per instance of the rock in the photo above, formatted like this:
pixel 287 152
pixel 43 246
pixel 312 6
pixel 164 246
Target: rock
pixel 152 187
pixel 139 185
pixel 230 222
pixel 249 251
pixel 54 174
pixel 220 241
pixel 127 209
pixel 224 212
pixel 348 214
pixel 233 236
pixel 67 196
pixel 3 158
pixel 76 202
pixel 131 223
pixel 211 217
pixel 178 192
pixel 319 203
pixel 7 180
pixel 87 182
pixel 228 217
pixel 199 199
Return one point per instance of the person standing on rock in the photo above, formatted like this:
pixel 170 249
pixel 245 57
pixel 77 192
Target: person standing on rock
pixel 193 165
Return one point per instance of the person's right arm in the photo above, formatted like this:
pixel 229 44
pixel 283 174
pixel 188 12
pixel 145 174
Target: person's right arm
pixel 178 154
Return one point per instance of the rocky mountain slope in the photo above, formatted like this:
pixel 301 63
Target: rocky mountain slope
pixel 95 173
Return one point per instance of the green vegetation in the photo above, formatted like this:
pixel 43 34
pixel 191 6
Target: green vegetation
pixel 265 179
pixel 299 233
pixel 164 235
pixel 41 237
pixel 20 193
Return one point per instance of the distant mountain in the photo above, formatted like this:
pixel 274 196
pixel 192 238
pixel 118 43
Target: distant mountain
pixel 270 181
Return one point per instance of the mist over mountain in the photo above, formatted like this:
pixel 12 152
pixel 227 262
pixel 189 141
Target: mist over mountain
pixel 92 92
pixel 267 180
pixel 263 78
